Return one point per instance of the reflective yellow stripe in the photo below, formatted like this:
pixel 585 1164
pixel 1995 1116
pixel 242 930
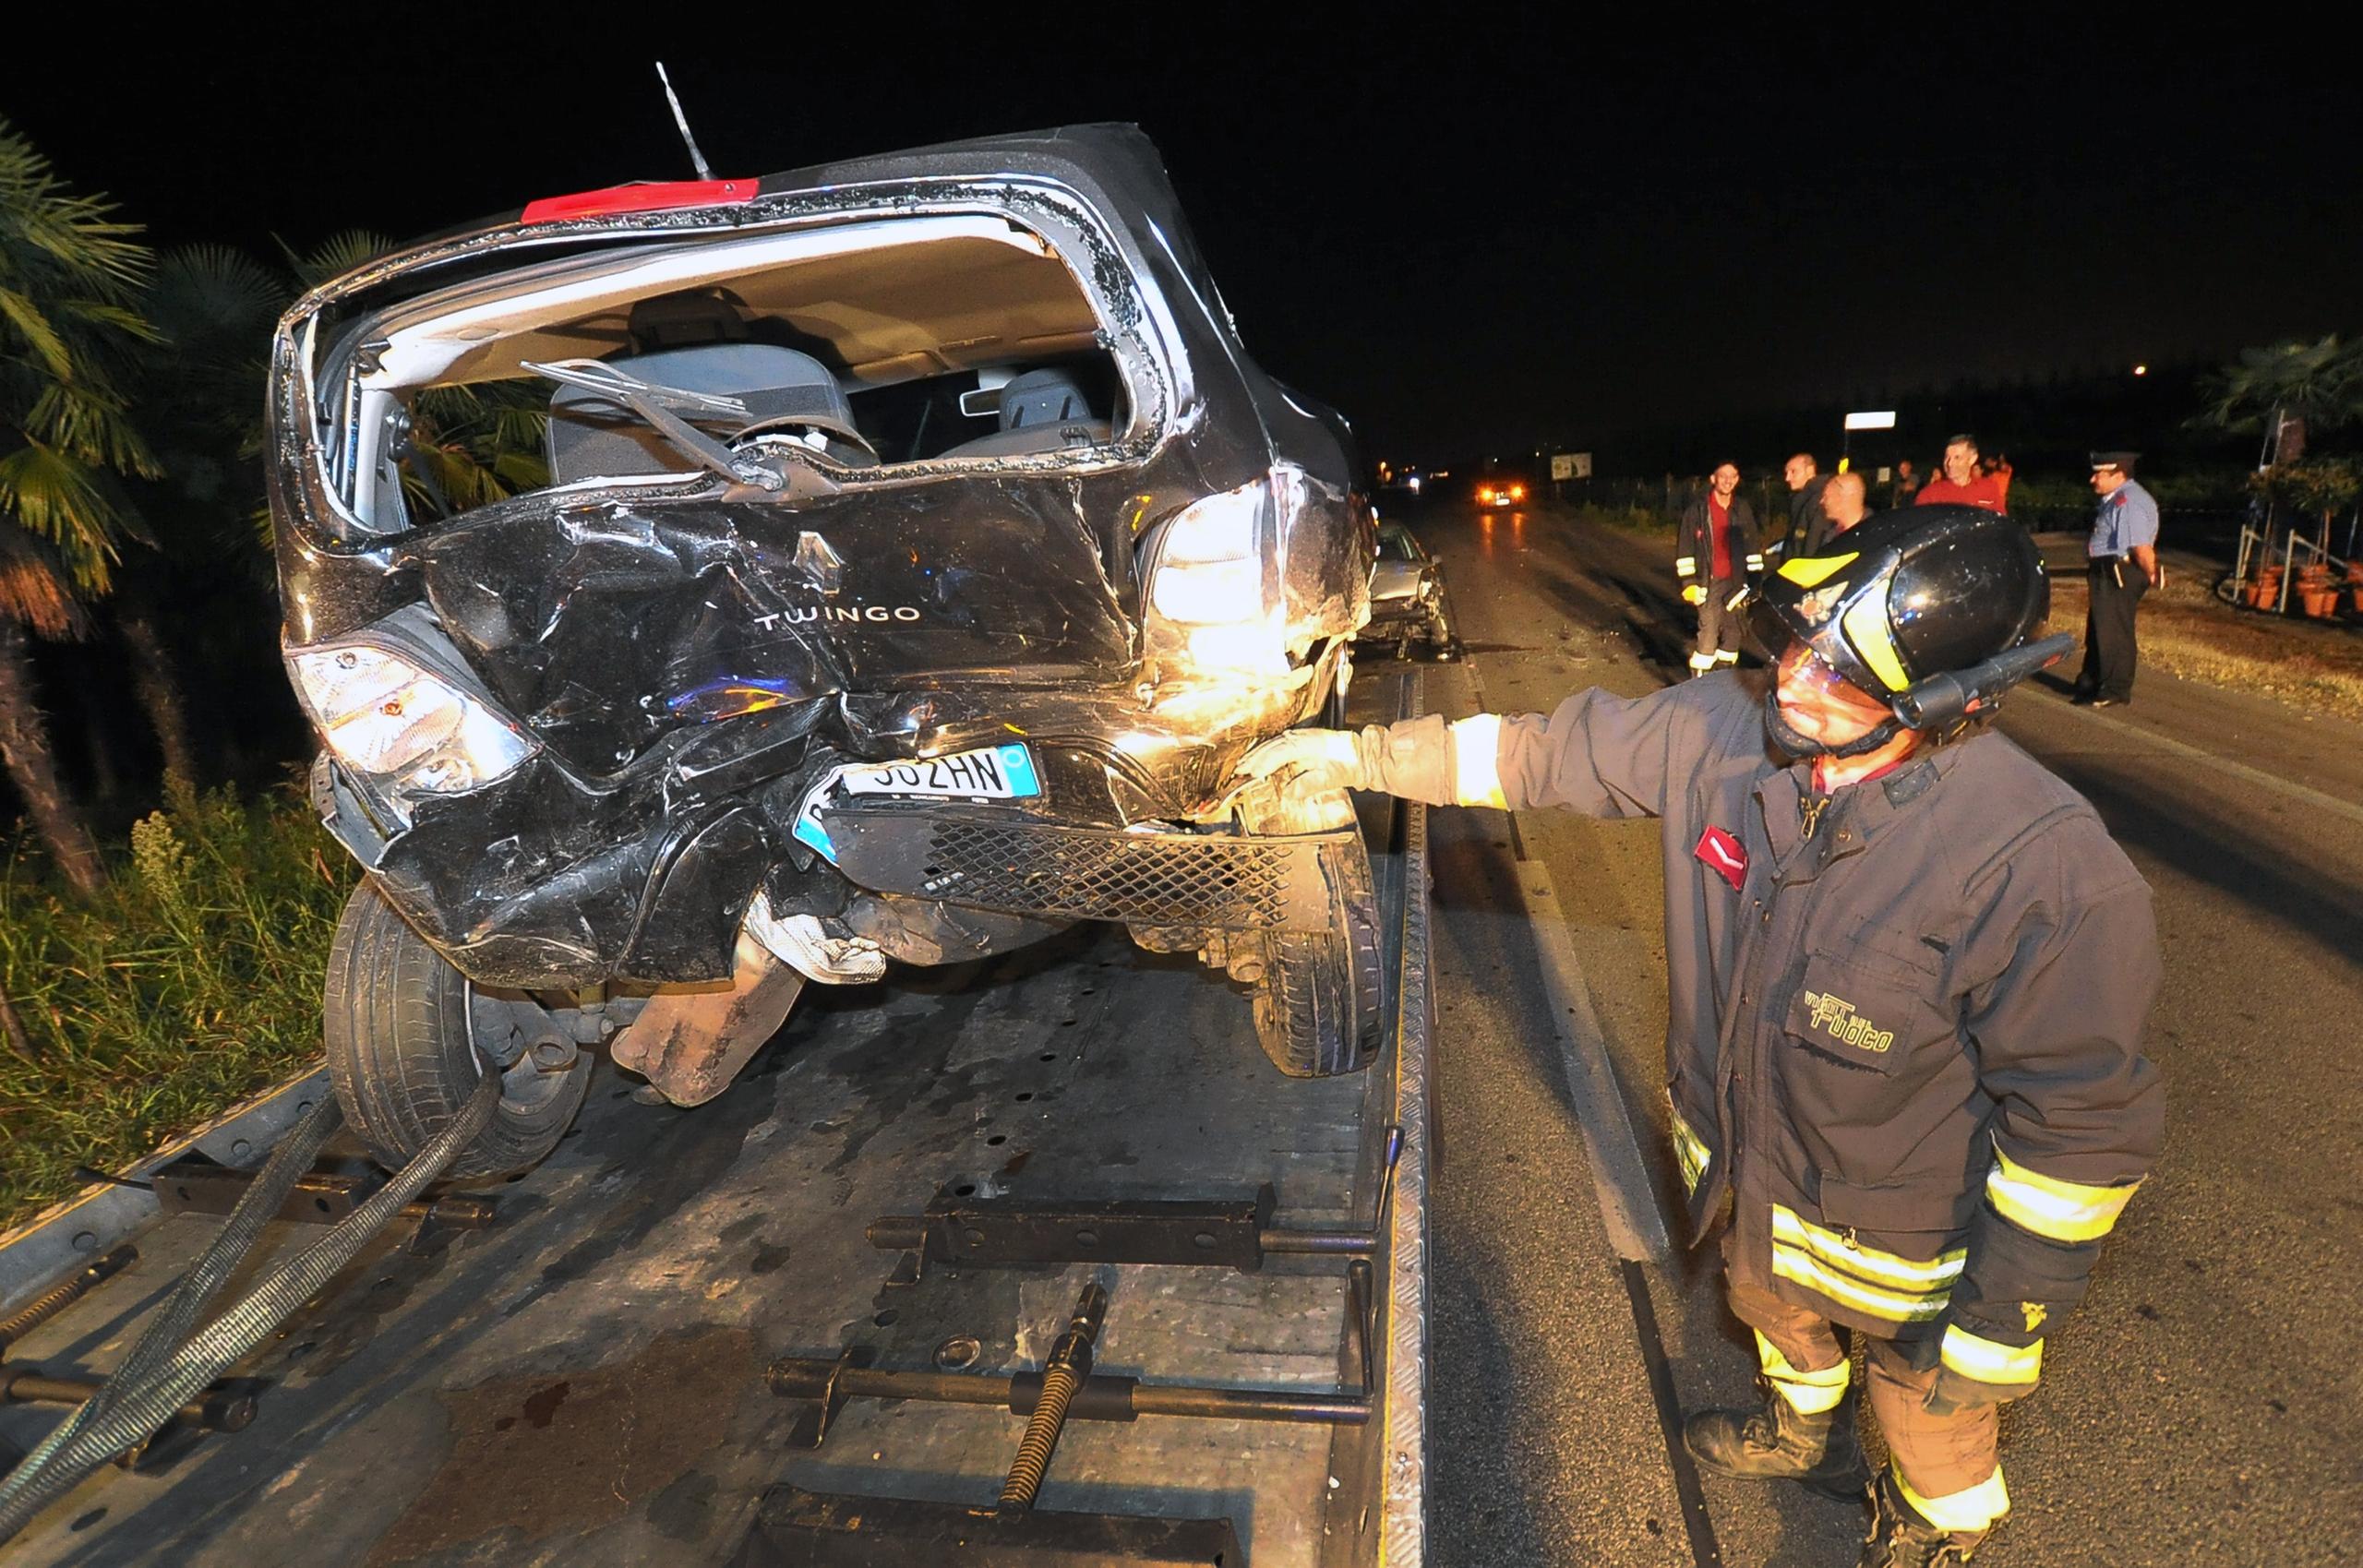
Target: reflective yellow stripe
pixel 1812 571
pixel 1810 1393
pixel 1973 1356
pixel 1756 563
pixel 1476 760
pixel 1802 1267
pixel 1867 630
pixel 2063 1211
pixel 1686 564
pixel 1973 1509
pixel 1690 1151
pixel 1869 1263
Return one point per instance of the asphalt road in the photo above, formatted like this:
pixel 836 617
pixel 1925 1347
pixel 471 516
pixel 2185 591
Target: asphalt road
pixel 2201 1406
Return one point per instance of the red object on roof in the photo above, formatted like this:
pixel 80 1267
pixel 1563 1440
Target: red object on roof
pixel 652 195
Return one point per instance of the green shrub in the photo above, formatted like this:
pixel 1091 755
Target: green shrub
pixel 190 984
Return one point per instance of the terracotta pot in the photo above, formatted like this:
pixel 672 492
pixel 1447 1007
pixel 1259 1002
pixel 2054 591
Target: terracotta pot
pixel 2321 604
pixel 2355 599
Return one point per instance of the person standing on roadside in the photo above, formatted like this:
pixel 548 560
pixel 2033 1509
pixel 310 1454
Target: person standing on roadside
pixel 1844 503
pixel 1908 974
pixel 1997 468
pixel 1907 485
pixel 1805 482
pixel 1717 542
pixel 2123 566
pixel 1962 484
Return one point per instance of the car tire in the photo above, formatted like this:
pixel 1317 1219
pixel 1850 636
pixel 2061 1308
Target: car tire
pixel 403 1029
pixel 1317 1003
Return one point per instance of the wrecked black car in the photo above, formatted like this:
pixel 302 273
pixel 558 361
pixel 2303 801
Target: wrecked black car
pixel 911 552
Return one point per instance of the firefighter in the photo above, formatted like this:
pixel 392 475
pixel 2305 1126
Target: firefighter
pixel 1718 544
pixel 1909 972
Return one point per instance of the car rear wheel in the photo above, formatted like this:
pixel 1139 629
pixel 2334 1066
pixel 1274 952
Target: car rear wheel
pixel 1317 1001
pixel 408 1038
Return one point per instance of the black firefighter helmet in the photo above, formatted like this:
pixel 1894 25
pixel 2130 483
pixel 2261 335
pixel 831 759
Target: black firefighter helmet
pixel 1927 608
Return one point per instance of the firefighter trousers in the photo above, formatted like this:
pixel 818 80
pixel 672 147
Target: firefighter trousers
pixel 1950 1464
pixel 1718 629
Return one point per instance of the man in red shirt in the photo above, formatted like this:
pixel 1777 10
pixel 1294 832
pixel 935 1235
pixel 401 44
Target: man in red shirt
pixel 1962 484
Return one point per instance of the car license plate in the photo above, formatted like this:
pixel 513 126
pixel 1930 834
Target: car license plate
pixel 990 773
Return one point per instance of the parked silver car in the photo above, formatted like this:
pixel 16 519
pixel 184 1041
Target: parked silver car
pixel 1409 607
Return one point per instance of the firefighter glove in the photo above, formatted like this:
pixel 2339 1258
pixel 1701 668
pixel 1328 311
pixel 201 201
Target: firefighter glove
pixel 1422 759
pixel 1694 594
pixel 1315 759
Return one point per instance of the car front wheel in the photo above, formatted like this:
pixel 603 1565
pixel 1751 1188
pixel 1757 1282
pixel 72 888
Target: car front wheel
pixel 408 1038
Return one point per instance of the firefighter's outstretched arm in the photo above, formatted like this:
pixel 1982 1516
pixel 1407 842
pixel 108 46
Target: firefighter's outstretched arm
pixel 1596 753
pixel 2078 1112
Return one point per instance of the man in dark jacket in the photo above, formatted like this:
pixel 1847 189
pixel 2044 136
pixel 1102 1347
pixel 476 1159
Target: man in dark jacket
pixel 1909 974
pixel 1841 508
pixel 1802 474
pixel 1715 555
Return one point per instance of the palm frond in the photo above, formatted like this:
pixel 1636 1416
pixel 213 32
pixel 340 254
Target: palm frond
pixel 337 255
pixel 88 423
pixel 34 587
pixel 38 332
pixel 210 295
pixel 54 495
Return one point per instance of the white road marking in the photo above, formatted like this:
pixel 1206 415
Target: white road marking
pixel 2241 771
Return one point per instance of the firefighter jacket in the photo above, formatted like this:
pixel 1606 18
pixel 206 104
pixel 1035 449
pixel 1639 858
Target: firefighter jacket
pixel 1695 562
pixel 1905 1020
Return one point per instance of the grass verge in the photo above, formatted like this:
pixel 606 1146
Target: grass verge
pixel 2185 630
pixel 191 983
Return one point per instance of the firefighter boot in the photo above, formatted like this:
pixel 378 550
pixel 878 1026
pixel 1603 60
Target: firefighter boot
pixel 1900 1537
pixel 1781 1442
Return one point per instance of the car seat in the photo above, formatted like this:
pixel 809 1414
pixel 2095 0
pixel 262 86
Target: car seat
pixel 592 437
pixel 1042 411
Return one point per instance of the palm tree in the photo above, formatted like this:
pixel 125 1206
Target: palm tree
pixel 200 399
pixel 70 277
pixel 2288 390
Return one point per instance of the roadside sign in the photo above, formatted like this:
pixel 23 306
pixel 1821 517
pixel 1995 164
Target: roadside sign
pixel 1872 419
pixel 1570 465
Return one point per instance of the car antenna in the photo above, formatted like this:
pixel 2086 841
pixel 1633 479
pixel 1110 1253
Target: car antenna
pixel 697 159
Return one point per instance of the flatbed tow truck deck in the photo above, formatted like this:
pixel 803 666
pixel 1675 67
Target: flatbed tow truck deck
pixel 619 1368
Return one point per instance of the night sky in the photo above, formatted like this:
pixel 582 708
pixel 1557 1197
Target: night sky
pixel 1461 227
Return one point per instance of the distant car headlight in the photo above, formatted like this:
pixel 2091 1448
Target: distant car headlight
pixel 402 727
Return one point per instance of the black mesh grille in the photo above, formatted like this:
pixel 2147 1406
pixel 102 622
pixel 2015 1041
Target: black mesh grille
pixel 1164 879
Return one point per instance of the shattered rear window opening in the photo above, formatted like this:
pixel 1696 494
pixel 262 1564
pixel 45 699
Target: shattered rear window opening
pixel 865 343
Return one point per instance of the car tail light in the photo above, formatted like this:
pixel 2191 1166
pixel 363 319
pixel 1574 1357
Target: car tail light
pixel 1206 580
pixel 653 195
pixel 404 728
